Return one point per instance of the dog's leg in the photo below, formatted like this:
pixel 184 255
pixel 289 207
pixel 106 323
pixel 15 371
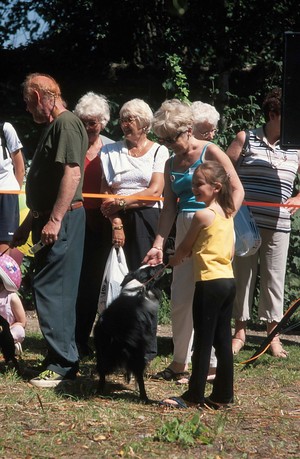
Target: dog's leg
pixel 8 346
pixel 140 381
pixel 101 384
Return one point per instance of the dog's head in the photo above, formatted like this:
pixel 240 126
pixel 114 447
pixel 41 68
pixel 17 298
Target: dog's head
pixel 142 279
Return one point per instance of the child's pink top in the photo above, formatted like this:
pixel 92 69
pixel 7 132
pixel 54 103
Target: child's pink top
pixel 5 308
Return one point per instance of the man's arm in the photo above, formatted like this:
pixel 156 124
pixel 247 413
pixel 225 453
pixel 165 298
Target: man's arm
pixel 66 192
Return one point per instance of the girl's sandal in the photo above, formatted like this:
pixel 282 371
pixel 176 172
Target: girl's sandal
pixel 174 402
pixel 276 348
pixel 237 345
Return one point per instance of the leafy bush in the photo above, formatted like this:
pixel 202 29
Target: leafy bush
pixel 176 84
pixel 185 433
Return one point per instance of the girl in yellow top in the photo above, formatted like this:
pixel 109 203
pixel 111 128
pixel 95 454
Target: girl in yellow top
pixel 210 239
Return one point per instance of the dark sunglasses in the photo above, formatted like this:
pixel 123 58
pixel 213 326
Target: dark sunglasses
pixel 170 140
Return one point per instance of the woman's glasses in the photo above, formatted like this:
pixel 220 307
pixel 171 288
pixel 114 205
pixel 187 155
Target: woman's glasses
pixel 170 140
pixel 127 119
pixel 206 133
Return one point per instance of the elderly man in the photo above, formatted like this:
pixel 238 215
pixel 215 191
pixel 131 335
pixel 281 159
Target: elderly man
pixel 57 219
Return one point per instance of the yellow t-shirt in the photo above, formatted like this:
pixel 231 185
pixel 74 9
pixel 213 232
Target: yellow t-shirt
pixel 212 250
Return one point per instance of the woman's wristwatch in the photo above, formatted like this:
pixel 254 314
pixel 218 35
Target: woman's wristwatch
pixel 122 204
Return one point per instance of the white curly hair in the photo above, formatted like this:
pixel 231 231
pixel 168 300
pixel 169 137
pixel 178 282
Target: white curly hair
pixel 92 104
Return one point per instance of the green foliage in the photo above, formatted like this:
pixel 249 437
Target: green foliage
pixel 240 113
pixel 185 433
pixel 176 84
pixel 164 316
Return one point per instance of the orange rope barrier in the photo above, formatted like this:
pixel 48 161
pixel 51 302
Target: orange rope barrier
pixel 12 192
pixel 268 204
pixel 157 198
pixel 120 196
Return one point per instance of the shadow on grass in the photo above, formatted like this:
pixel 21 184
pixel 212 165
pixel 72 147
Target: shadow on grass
pixel 85 388
pixel 34 344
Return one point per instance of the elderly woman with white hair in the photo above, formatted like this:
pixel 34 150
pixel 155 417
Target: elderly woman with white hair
pixel 206 120
pixel 173 124
pixel 93 110
pixel 134 168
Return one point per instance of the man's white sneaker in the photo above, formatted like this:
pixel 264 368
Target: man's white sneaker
pixel 49 378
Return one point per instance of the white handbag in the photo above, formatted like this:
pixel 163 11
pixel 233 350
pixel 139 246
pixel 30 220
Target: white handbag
pixel 247 237
pixel 114 273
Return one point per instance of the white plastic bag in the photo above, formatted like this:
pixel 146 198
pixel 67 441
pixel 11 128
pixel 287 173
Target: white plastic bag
pixel 114 273
pixel 247 237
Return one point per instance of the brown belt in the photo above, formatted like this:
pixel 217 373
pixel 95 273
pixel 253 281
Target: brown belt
pixel 43 213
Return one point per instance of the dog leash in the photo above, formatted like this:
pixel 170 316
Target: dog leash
pixel 156 274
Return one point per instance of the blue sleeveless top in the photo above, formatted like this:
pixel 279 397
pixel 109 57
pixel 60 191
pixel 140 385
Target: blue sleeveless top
pixel 181 184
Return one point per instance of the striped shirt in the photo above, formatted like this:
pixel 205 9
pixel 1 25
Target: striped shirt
pixel 267 173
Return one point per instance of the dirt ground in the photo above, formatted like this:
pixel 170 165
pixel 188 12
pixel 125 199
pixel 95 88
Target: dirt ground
pixel 163 330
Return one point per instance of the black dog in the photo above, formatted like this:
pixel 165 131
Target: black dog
pixel 123 331
pixel 7 344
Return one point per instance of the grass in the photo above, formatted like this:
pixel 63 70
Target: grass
pixel 75 422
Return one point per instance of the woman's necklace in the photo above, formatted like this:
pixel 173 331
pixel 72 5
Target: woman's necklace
pixel 138 150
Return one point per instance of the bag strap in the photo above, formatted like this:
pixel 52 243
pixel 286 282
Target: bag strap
pixel 244 150
pixel 3 141
pixel 156 152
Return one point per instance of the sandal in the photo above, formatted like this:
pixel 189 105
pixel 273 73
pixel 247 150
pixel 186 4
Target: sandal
pixel 237 345
pixel 276 348
pixel 169 375
pixel 179 403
